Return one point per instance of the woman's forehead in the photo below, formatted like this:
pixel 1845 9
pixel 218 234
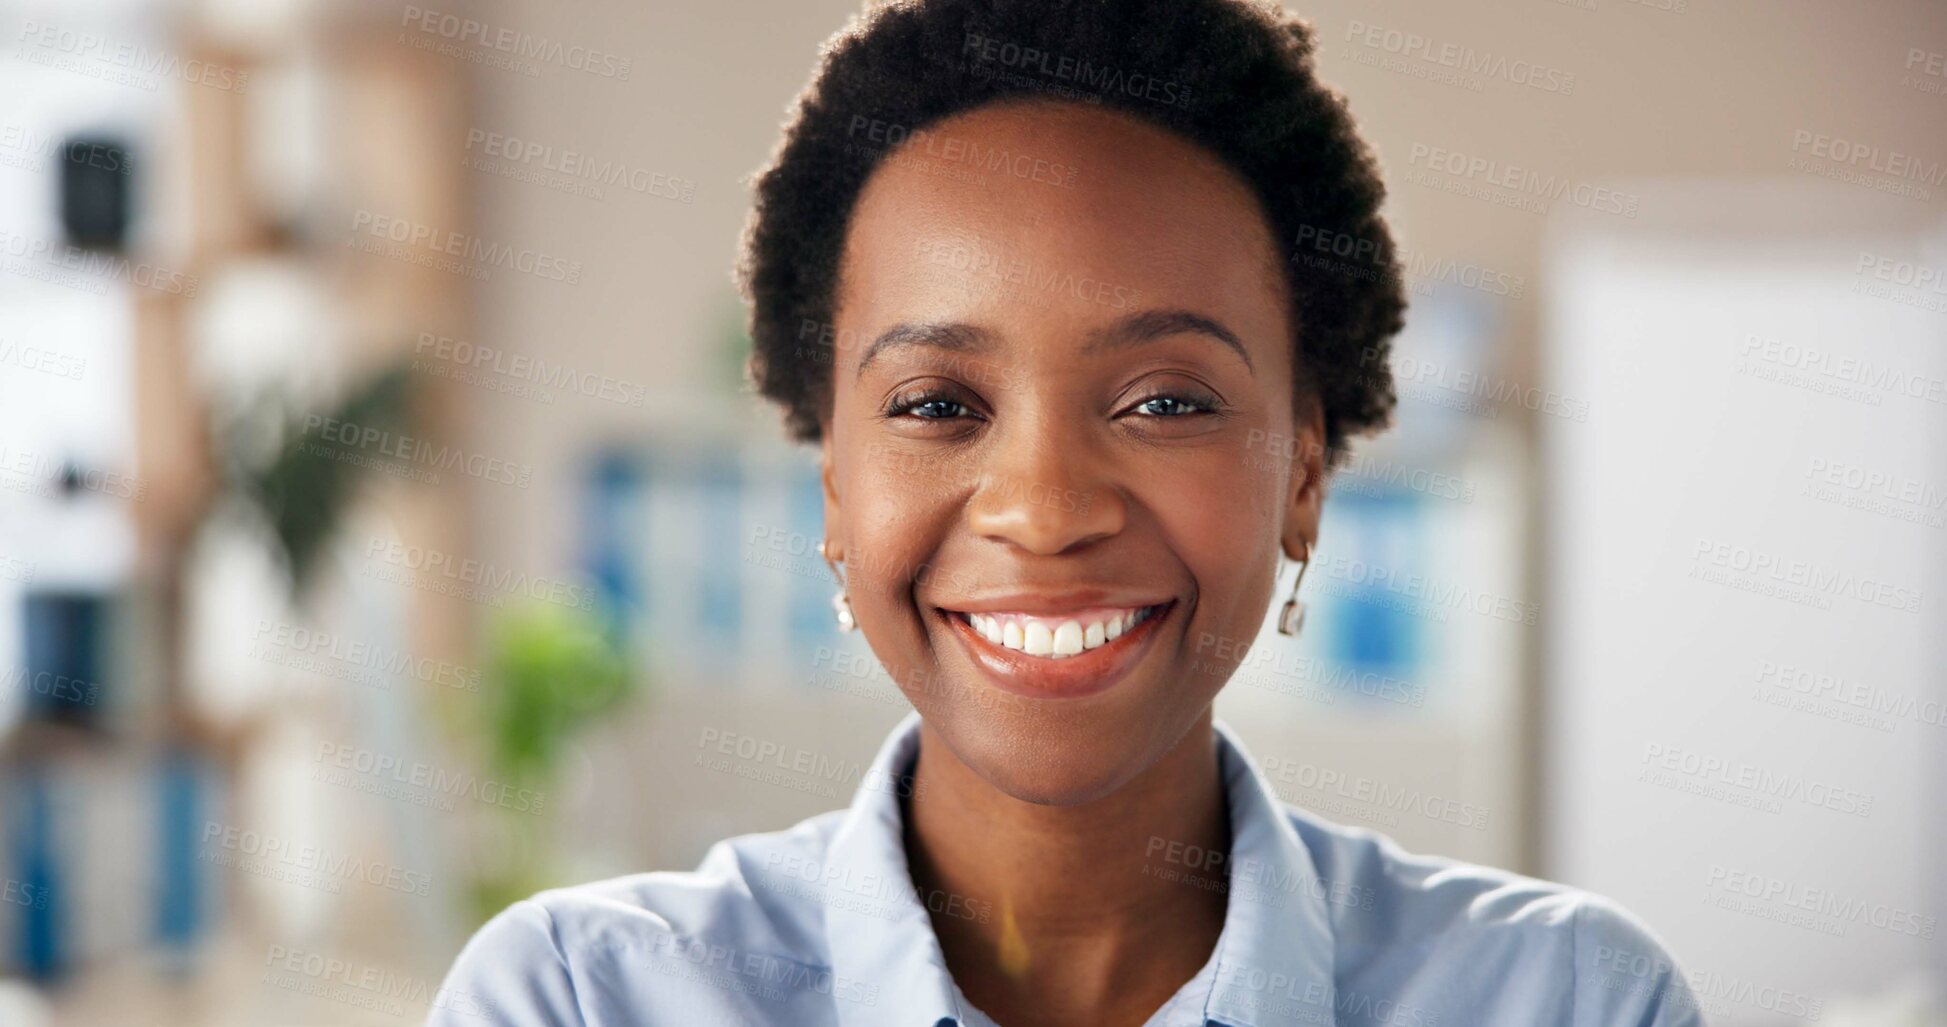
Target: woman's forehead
pixel 1053 210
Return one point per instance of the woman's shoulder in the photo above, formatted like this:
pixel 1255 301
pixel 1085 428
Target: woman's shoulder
pixel 739 890
pixel 736 909
pixel 1391 907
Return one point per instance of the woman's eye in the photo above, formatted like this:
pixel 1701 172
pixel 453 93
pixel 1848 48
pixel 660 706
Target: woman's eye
pixel 1169 406
pixel 932 409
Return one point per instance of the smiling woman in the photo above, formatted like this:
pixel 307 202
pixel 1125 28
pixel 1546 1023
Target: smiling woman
pixel 1024 271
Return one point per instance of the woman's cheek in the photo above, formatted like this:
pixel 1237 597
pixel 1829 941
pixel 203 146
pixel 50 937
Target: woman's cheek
pixel 1222 518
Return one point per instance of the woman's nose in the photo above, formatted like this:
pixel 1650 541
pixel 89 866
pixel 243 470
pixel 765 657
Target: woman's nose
pixel 1046 495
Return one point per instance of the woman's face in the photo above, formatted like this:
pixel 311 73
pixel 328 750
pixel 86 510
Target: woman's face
pixel 1062 411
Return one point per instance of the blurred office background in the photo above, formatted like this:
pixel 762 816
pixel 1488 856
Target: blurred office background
pixel 387 526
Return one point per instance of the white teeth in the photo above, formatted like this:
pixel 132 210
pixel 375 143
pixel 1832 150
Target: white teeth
pixel 1050 638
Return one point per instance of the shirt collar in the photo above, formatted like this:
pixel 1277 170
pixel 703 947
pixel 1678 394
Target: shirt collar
pixel 1275 956
pixel 891 944
pixel 1273 963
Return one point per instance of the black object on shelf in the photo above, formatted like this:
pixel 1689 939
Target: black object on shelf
pixel 62 676
pixel 96 178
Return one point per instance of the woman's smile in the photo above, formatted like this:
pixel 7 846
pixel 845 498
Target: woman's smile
pixel 1040 647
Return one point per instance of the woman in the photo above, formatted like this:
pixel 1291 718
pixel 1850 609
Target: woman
pixel 1027 272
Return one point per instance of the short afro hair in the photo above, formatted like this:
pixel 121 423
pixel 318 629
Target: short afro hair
pixel 1233 76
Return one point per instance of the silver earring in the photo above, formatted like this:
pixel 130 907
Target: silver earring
pixel 1292 617
pixel 841 606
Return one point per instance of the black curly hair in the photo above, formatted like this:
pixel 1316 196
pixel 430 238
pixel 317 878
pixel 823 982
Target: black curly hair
pixel 1234 76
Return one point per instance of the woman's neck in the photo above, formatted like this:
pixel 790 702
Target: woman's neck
pixel 1071 914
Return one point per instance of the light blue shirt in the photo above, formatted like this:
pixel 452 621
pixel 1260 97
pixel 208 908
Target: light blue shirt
pixel 821 925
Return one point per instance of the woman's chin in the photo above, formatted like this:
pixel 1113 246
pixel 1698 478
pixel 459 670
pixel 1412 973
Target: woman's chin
pixel 1049 764
pixel 1063 788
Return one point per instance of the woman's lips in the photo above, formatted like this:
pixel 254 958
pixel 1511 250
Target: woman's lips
pixel 1063 655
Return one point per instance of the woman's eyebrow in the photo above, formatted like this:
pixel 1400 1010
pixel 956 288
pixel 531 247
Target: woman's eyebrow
pixel 1127 331
pixel 1147 325
pixel 952 335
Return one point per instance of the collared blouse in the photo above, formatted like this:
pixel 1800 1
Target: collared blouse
pixel 821 925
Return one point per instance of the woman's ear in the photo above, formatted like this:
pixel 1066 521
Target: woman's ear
pixel 1305 496
pixel 828 477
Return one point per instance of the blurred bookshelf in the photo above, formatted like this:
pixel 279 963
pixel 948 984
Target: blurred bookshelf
pixel 243 164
